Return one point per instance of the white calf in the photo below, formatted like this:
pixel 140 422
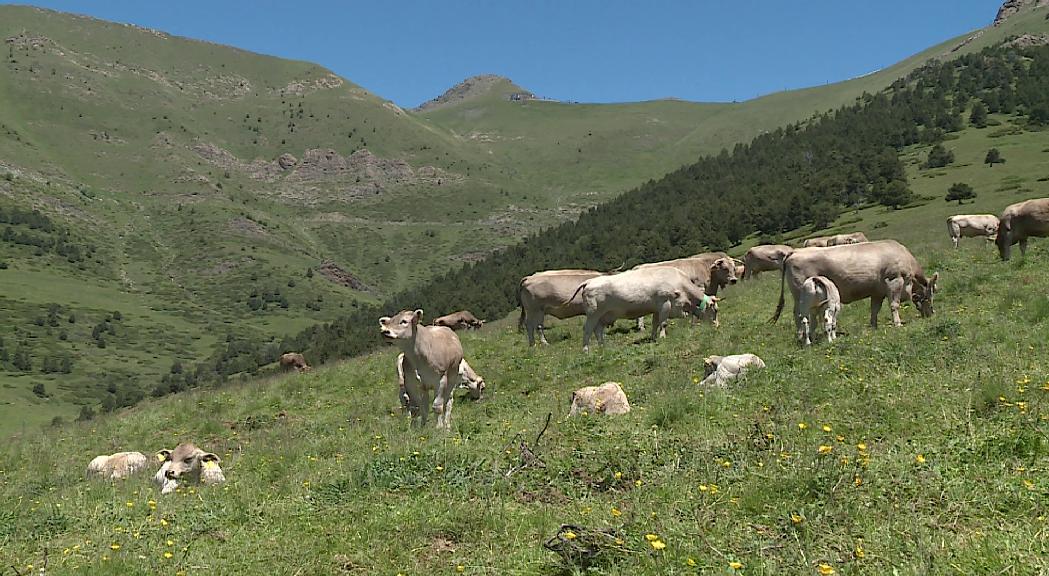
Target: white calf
pixel 818 302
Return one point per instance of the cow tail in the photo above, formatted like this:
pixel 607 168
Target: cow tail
pixel 520 304
pixel 577 290
pixel 782 282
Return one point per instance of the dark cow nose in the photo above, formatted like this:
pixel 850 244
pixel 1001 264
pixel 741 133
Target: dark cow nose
pixel 733 281
pixel 170 474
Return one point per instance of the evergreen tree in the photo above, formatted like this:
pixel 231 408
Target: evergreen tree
pixel 959 191
pixel 993 157
pixel 978 117
pixel 939 156
pixel 39 390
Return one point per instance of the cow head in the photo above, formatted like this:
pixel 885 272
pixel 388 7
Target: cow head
pixel 185 459
pixel 922 293
pixel 1004 239
pixel 710 365
pixel 723 272
pixel 403 326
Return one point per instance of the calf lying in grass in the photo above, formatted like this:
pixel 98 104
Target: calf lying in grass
pixel 720 370
pixel 187 461
pixel 117 466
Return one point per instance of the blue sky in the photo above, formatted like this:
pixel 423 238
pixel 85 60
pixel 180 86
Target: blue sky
pixel 579 50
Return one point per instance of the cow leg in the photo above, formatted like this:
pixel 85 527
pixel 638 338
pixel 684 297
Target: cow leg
pixel 875 308
pixel 446 397
pixel 830 324
pixel 530 327
pixel 417 395
pixel 659 320
pixel 640 323
pixel 1023 248
pixel 897 288
pixel 592 321
pixel 802 323
pixel 955 240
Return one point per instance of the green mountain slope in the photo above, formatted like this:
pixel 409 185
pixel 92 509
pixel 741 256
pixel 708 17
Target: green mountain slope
pixel 204 186
pixel 917 450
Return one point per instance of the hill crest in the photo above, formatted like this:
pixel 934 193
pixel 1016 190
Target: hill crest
pixel 476 87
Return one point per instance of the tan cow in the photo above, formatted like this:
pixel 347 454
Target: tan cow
pixel 1021 221
pixel 710 271
pixel 117 466
pixel 432 355
pixel 550 292
pixel 471 380
pixel 607 398
pixel 765 258
pixel 294 360
pixel 835 240
pixel 187 462
pixel 661 291
pixel 972 225
pixel 459 320
pixel 875 270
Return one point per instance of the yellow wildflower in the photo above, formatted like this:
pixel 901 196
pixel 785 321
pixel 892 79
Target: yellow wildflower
pixel 616 512
pixel 569 535
pixel 651 537
pixel 857 481
pixel 802 425
pixel 460 568
pixel 618 475
pixel 825 569
pixel 824 449
pixel 1028 484
pixel 170 542
pixel 703 488
pixel 168 555
pixel 862 447
pixel 859 553
pixel 658 544
pixel 796 518
pixel 735 565
pixel 637 483
pixel 130 504
pixel 726 463
pixel 920 459
pixel 690 562
pixel 713 488
pixel 827 428
pixel 114 546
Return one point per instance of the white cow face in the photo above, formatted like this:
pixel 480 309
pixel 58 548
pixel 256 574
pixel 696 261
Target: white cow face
pixel 184 460
pixel 400 327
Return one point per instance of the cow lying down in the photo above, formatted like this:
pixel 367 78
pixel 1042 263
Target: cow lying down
pixel 469 379
pixel 187 463
pixel 720 370
pixel 117 466
pixel 607 398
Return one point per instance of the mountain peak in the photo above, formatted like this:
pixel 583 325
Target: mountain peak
pixel 476 87
pixel 1010 7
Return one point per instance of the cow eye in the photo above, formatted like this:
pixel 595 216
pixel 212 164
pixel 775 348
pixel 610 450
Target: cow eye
pixel 404 322
pixel 188 460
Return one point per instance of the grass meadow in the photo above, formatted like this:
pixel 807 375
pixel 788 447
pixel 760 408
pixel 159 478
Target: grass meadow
pixel 917 450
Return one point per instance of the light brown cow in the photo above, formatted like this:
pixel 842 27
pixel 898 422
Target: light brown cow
pixel 471 380
pixel 765 258
pixel 460 320
pixel 294 360
pixel 550 292
pixel 117 466
pixel 607 398
pixel 972 225
pixel 1021 221
pixel 432 355
pixel 835 240
pixel 710 271
pixel 661 291
pixel 187 462
pixel 875 270
pixel 819 303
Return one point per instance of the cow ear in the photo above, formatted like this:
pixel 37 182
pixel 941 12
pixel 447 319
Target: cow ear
pixel 210 457
pixel 417 316
pixel 384 321
pixel 163 455
pixel 932 281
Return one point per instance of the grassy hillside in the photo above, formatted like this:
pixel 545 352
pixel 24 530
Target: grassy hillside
pixel 918 450
pixel 198 182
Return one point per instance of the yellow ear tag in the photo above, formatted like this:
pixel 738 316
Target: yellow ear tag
pixel 211 464
pixel 160 457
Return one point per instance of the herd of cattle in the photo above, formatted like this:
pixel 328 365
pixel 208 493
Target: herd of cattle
pixel 822 275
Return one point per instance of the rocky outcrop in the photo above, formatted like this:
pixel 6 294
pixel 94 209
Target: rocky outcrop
pixel 473 87
pixel 287 161
pixel 1011 7
pixel 1028 40
pixel 333 272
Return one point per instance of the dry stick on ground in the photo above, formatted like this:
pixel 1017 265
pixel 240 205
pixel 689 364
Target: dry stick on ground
pixel 528 456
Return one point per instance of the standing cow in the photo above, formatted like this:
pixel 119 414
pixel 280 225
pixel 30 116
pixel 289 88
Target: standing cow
pixel 875 270
pixel 1021 221
pixel 294 360
pixel 710 271
pixel 660 291
pixel 819 304
pixel 432 355
pixel 473 381
pixel 764 258
pixel 551 292
pixel 972 225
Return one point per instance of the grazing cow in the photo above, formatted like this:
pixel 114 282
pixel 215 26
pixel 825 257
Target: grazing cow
pixel 972 225
pixel 459 320
pixel 187 461
pixel 875 270
pixel 550 292
pixel 835 240
pixel 764 258
pixel 471 380
pixel 294 360
pixel 659 291
pixel 607 398
pixel 117 466
pixel 432 355
pixel 707 309
pixel 1021 221
pixel 819 303
pixel 720 370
